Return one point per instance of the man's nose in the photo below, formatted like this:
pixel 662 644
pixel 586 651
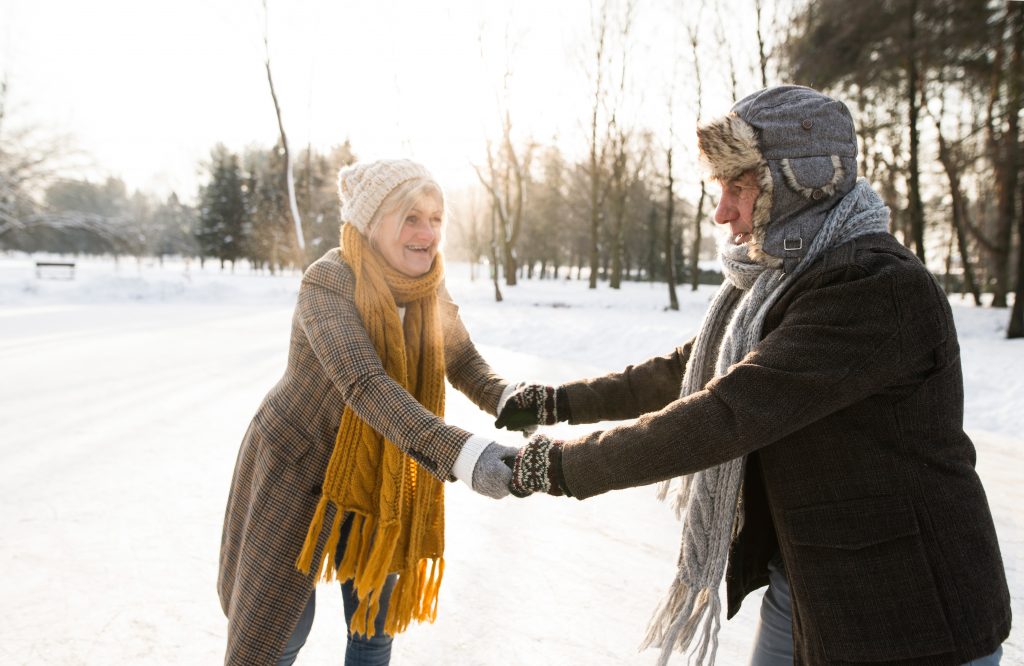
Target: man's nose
pixel 725 212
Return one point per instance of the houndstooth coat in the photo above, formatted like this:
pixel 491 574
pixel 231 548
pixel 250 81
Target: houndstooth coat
pixel 284 453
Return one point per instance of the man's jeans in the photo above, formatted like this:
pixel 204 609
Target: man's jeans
pixel 773 645
pixel 360 650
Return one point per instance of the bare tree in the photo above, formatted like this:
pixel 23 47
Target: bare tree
pixel 596 164
pixel 670 201
pixel 504 181
pixel 1015 328
pixel 693 30
pixel 762 57
pixel 723 43
pixel 623 173
pixel 960 214
pixel 916 208
pixel 30 161
pixel 494 254
pixel 288 175
pixel 506 175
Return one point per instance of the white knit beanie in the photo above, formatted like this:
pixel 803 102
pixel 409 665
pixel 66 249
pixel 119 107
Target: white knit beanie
pixel 363 186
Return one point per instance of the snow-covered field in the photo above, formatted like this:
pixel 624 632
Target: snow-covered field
pixel 124 394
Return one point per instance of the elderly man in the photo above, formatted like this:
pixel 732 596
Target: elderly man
pixel 817 420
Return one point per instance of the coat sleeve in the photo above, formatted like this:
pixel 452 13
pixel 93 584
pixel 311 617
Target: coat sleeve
pixel 835 345
pixel 639 389
pixel 342 346
pixel 467 370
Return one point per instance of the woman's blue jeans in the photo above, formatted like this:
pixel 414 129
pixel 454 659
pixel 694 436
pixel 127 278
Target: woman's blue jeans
pixel 773 645
pixel 360 650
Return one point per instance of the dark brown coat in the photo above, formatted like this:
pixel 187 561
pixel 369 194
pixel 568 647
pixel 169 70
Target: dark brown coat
pixel 859 473
pixel 284 454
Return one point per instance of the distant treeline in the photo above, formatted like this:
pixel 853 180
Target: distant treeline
pixel 935 87
pixel 242 212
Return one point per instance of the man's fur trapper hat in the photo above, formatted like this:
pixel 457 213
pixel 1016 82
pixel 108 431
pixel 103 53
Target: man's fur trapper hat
pixel 803 147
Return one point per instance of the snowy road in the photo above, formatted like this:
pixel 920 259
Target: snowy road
pixel 118 443
pixel 119 424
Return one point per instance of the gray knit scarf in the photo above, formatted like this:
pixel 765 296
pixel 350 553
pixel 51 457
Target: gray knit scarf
pixel 710 498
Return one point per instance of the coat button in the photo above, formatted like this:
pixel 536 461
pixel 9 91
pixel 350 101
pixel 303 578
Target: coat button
pixel 817 195
pixel 807 123
pixel 316 490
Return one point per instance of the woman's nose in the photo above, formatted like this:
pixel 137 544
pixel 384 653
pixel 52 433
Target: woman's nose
pixel 426 233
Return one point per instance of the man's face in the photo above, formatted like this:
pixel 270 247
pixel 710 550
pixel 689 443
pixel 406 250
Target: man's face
pixel 736 206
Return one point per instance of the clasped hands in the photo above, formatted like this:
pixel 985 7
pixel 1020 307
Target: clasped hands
pixel 537 466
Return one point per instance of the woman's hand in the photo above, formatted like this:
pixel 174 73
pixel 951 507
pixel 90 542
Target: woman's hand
pixel 530 405
pixel 538 468
pixel 492 474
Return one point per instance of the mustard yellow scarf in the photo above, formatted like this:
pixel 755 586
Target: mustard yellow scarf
pixel 397 508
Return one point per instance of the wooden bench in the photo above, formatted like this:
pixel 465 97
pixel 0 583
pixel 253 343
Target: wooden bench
pixel 55 270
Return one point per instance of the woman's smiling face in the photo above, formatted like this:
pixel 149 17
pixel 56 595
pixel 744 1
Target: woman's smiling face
pixel 410 244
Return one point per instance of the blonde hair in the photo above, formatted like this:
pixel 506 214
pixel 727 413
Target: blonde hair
pixel 402 199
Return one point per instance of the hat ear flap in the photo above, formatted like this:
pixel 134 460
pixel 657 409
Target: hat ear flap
pixel 728 147
pixel 813 177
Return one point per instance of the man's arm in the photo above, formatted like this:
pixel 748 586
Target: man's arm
pixel 639 389
pixel 835 345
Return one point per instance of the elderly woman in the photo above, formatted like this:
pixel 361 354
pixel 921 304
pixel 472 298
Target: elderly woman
pixel 340 474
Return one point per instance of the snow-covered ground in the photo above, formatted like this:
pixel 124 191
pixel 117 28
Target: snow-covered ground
pixel 124 394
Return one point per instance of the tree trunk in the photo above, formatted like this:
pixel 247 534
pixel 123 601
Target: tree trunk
pixel 916 209
pixel 695 254
pixel 618 205
pixel 670 251
pixel 509 260
pixel 494 253
pixel 762 57
pixel 595 223
pixel 1016 326
pixel 652 244
pixel 595 176
pixel 300 254
pixel 959 214
pixel 998 149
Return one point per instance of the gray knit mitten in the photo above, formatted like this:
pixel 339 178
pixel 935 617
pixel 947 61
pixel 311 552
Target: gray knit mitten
pixel 531 405
pixel 538 468
pixel 492 473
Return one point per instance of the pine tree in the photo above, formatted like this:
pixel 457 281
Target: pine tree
pixel 222 212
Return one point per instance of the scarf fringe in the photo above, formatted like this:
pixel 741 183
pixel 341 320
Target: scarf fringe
pixel 416 592
pixel 305 560
pixel 685 611
pixel 680 496
pixel 415 596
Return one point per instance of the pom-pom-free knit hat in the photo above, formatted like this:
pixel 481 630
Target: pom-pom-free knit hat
pixel 363 186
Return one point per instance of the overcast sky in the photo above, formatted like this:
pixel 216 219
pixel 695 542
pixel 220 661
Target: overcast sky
pixel 145 89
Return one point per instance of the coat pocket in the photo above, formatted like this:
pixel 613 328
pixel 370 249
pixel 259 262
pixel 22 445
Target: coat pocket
pixel 862 580
pixel 282 440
